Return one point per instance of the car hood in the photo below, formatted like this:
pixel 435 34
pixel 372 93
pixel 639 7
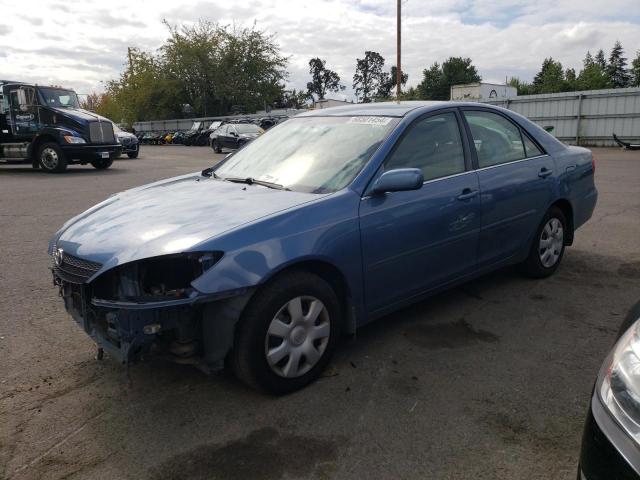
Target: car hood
pixel 170 216
pixel 80 114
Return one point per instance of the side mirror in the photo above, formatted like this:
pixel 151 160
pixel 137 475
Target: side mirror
pixel 398 180
pixel 234 134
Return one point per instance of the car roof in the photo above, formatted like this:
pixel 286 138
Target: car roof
pixel 390 109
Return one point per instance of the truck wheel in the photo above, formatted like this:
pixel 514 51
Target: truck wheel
pixel 133 154
pixel 287 333
pixel 51 158
pixel 102 164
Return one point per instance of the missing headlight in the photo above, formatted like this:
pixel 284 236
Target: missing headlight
pixel 155 279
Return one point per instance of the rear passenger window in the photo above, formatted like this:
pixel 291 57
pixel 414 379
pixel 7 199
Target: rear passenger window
pixel 496 139
pixel 530 148
pixel 432 144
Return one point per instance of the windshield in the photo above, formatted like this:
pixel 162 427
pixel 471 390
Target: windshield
pixel 59 98
pixel 310 154
pixel 247 128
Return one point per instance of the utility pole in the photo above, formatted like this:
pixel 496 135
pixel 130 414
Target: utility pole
pixel 399 39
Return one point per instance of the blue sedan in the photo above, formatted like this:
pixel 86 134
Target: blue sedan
pixel 322 224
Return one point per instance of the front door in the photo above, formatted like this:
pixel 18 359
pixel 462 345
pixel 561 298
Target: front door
pixel 516 184
pixel 23 112
pixel 415 241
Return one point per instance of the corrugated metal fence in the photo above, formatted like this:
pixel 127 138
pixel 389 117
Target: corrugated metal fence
pixel 583 118
pixel 186 123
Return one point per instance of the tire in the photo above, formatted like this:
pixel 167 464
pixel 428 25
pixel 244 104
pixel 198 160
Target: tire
pixel 51 158
pixel 102 164
pixel 216 146
pixel 133 154
pixel 266 325
pixel 630 319
pixel 548 246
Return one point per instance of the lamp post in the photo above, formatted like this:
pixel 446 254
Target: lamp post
pixel 399 40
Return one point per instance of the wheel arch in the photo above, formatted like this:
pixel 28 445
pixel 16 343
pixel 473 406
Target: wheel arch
pixel 567 209
pixel 331 274
pixel 38 141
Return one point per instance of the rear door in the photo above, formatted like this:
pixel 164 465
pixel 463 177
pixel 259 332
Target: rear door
pixel 516 184
pixel 417 240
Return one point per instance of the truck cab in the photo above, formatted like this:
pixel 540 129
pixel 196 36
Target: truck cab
pixel 46 127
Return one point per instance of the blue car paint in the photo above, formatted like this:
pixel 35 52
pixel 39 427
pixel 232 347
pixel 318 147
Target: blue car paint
pixel 390 250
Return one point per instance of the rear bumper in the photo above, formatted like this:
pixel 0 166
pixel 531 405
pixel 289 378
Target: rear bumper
pixel 607 451
pixel 90 153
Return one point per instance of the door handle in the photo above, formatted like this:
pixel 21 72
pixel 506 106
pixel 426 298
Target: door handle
pixel 544 172
pixel 571 168
pixel 467 194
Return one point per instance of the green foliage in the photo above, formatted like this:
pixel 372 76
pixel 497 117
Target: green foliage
pixel 369 75
pixel 437 80
pixel 523 88
pixel 601 60
pixel 592 77
pixel 204 69
pixel 617 67
pixel 389 82
pixel 635 70
pixel 550 79
pixel 323 80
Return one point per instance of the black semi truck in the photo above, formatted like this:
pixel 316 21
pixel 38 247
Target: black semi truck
pixel 46 127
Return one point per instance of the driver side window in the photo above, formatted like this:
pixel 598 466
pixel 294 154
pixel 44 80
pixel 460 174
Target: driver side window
pixel 432 144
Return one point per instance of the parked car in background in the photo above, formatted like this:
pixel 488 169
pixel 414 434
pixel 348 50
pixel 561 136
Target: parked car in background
pixel 234 136
pixel 324 223
pixel 611 439
pixel 129 142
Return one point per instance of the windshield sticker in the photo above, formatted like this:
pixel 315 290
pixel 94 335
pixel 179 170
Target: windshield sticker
pixel 370 120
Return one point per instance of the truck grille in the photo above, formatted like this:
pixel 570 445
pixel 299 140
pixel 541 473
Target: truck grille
pixel 101 132
pixel 75 270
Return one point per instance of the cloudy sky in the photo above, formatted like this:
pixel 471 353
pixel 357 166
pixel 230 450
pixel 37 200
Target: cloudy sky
pixel 83 43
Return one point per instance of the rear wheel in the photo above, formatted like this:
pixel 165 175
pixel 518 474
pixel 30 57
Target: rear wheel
pixel 548 245
pixel 287 333
pixel 102 164
pixel 51 158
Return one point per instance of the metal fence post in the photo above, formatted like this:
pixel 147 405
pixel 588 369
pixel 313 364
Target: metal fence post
pixel 578 119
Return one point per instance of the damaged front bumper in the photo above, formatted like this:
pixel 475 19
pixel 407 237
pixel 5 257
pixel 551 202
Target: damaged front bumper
pixel 196 330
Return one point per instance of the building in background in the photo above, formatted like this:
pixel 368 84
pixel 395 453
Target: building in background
pixel 330 102
pixel 481 92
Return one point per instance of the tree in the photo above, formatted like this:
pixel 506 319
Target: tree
pixel 571 80
pixel 390 81
pixel 369 75
pixel 437 80
pixel 550 78
pixel 219 67
pixel 592 77
pixel 588 59
pixel 601 60
pixel 617 67
pixel 323 80
pixel 522 87
pixel 635 70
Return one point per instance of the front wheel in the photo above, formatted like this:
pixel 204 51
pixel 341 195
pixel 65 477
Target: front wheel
pixel 548 246
pixel 102 164
pixel 216 146
pixel 51 158
pixel 133 154
pixel 287 333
